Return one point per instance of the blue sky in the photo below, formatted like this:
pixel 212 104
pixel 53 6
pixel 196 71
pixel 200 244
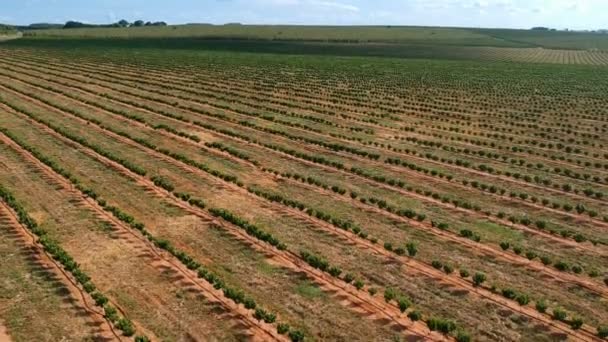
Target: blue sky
pixel 574 14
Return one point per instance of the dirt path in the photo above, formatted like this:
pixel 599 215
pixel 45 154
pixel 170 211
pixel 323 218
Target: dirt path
pixel 103 328
pixel 4 337
pixel 585 334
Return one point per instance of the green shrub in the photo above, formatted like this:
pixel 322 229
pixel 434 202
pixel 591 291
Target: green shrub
pixel 559 314
pixel 562 266
pixel 479 278
pixel 126 326
pixel 414 315
pixel 523 299
pixel 389 294
pixel 541 306
pixel 576 323
pixel 602 331
pixel 412 249
pixel 545 260
pixel 403 303
pixel 296 336
pixel 349 278
pixel 334 271
pixel 437 264
pixel 509 293
pixel 463 336
pixel 442 325
pixel 448 269
pixel 530 255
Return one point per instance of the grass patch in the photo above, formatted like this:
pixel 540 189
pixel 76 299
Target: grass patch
pixel 309 290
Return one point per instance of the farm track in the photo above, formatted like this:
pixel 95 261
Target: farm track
pixel 478 248
pixel 359 301
pixel 585 334
pixel 257 331
pixel 104 330
pixel 231 91
pixel 566 242
pixel 408 156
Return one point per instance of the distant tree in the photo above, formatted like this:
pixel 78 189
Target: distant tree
pixel 138 23
pixel 123 23
pixel 75 24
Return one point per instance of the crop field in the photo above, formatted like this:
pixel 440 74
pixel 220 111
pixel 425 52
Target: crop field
pixel 222 193
pixel 450 36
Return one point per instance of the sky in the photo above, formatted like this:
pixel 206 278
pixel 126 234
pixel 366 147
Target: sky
pixel 560 14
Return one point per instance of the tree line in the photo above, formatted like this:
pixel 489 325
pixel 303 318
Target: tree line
pixel 121 23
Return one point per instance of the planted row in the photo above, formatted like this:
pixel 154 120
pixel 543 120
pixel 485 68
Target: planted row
pixel 235 295
pixel 54 249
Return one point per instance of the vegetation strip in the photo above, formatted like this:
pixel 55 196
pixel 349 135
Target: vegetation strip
pixel 432 160
pixel 57 253
pixel 126 220
pixel 588 285
pixel 546 208
pixel 335 222
pixel 482 292
pixel 441 109
pixel 513 221
pixel 265 237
